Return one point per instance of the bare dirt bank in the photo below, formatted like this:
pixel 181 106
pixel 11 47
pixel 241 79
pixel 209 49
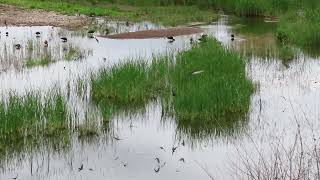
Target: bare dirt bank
pixel 159 33
pixel 24 17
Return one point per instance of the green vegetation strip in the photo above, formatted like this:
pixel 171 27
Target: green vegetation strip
pixel 205 88
pixel 170 15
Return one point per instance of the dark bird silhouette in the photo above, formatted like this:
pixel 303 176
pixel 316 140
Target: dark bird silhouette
pixel 64 39
pixel 80 168
pixel 191 40
pixel 157 170
pixel 90 169
pixel 45 43
pixel 232 37
pixel 203 38
pixel 182 160
pixel 97 40
pixel 162 148
pixel 127 23
pixel 38 34
pixel 7 33
pixel 174 149
pixel 171 39
pixel 18 46
pixel 125 164
pixel 158 160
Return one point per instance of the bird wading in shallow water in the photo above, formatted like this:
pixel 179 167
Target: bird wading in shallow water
pixel 64 39
pixel 45 43
pixel 171 39
pixel 18 46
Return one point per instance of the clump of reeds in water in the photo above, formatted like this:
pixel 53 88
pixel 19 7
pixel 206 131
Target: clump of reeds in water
pixel 205 88
pixel 31 115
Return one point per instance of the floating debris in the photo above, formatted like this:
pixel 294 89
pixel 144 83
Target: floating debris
pixel 197 72
pixel 116 138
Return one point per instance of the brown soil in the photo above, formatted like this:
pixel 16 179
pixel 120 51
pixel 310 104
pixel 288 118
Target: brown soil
pixel 24 17
pixel 179 31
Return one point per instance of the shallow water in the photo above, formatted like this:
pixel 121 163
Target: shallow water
pixel 286 93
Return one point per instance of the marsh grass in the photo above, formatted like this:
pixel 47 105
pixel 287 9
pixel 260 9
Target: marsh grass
pixel 74 53
pixel 205 88
pixel 43 61
pixel 301 28
pixel 25 116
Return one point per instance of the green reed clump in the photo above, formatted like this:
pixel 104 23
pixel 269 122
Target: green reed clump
pixel 300 27
pixel 132 83
pixel 205 88
pixel 31 115
pixel 74 53
pixel 210 85
pixel 43 61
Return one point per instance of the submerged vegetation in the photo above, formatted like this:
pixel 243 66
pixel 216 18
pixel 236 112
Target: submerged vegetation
pixel 204 88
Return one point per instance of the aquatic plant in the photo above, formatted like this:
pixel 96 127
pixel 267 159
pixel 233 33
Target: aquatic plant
pixel 205 88
pixel 43 61
pixel 23 116
pixel 301 28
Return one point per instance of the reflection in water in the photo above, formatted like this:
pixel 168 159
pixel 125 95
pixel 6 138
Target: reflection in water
pixel 122 144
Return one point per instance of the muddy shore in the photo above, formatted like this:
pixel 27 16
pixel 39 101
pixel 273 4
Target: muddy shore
pixel 147 34
pixel 14 16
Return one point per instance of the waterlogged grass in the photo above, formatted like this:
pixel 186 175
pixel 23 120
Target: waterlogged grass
pixel 172 15
pixel 25 116
pixel 74 53
pixel 209 83
pixel 205 88
pixel 130 84
pixel 44 61
pixel 301 28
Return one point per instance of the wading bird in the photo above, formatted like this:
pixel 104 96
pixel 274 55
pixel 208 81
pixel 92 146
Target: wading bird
pixel 64 39
pixel 18 46
pixel 171 39
pixel 45 43
pixel 232 37
pixel 203 38
pixel 38 34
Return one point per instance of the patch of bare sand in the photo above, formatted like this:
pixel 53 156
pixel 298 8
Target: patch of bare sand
pixel 24 17
pixel 159 33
